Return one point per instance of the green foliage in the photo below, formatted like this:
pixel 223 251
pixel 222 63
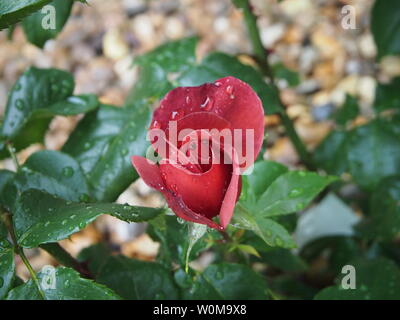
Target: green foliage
pixel 360 152
pixel 271 191
pixel 13 11
pixel 384 220
pixel 387 96
pixel 54 194
pixel 223 281
pixel 37 96
pixel 55 219
pixel 177 59
pixel 7 270
pixel 68 286
pixel 385 26
pixel 134 279
pixel 103 143
pixel 174 237
pixel 377 279
pixel 33 27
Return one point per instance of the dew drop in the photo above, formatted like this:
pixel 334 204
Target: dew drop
pixel 20 104
pixel 229 90
pixel 124 152
pixel 188 100
pixel 68 172
pixel 156 125
pixel 207 104
pixel 87 145
pixel 64 222
pixel 295 192
pixel 160 296
pixel 174 188
pixel 180 220
pixel 278 242
pixel 300 206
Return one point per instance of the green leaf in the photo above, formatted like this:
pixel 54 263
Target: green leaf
pixel 95 257
pixel 384 220
pixel 291 192
pixel 13 11
pixel 7 270
pixel 335 250
pixel 268 230
pixel 173 237
pixel 348 111
pixel 283 259
pixel 68 286
pixel 42 218
pixel 173 56
pixel 33 25
pixel 385 26
pixel 36 90
pixel 104 142
pixel 374 152
pixel 387 96
pixel 5 177
pixel 331 154
pixel 196 232
pixel 55 173
pixel 218 65
pixel 282 72
pixel 36 97
pixel 138 280
pixel 152 84
pixel 159 66
pixel 227 281
pixel 264 173
pixel 248 249
pixel 377 279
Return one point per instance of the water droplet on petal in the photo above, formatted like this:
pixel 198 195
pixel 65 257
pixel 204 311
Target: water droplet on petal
pixel 156 125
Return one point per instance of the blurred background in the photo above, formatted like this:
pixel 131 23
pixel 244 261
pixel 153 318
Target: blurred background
pixel 322 60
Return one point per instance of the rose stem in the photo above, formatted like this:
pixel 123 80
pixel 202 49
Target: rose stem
pixel 261 56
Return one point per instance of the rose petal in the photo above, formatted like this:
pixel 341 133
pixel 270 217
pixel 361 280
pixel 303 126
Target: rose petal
pixel 229 98
pixel 201 192
pixel 151 175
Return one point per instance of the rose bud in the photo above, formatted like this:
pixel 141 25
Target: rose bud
pixel 206 137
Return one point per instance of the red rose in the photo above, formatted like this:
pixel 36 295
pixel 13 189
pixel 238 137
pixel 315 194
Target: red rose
pixel 206 137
